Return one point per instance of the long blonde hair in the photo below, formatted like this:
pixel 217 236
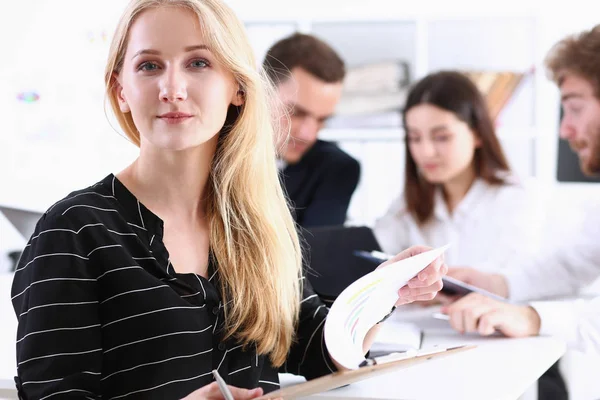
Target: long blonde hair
pixel 252 234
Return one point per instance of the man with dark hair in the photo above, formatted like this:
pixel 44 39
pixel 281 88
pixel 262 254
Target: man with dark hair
pixel 318 176
pixel 574 65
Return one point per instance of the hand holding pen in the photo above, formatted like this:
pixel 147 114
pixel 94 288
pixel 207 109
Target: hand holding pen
pixel 220 391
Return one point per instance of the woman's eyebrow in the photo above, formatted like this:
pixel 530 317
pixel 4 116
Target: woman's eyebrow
pixel 156 52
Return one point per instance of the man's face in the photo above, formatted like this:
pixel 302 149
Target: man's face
pixel 310 102
pixel 581 121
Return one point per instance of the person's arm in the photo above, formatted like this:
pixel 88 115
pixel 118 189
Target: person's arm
pixel 516 216
pixel 563 269
pixel 424 287
pixel 55 297
pixel 330 202
pixel 309 356
pixel 576 322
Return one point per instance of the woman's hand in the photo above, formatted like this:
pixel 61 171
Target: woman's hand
pixel 423 287
pixel 426 284
pixel 212 392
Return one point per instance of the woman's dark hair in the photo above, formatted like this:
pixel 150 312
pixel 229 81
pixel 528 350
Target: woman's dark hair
pixel 456 93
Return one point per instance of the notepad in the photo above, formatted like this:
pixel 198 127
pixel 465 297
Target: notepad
pixel 365 302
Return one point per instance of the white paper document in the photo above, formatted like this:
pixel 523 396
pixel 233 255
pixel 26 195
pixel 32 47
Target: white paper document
pixel 365 302
pixel 396 336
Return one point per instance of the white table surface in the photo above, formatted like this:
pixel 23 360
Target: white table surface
pixel 497 369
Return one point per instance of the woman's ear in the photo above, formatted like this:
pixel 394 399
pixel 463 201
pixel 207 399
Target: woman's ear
pixel 477 142
pixel 239 97
pixel 123 105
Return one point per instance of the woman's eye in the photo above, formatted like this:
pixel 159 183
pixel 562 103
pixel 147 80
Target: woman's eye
pixel 441 138
pixel 148 66
pixel 199 64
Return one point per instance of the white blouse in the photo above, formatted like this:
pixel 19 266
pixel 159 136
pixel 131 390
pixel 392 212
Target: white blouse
pixel 495 227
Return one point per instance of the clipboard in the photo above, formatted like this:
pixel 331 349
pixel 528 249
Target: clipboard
pixel 342 378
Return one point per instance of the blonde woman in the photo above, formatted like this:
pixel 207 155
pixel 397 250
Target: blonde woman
pixel 188 260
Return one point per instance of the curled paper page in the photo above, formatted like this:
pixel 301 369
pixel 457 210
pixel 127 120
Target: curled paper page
pixel 365 302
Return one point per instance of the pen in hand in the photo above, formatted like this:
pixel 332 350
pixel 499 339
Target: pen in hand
pixel 439 315
pixel 222 386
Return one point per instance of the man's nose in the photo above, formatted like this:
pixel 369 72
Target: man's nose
pixel 567 130
pixel 308 129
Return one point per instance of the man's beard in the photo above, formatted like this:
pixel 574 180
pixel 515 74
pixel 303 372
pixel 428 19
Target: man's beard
pixel 590 166
pixel 593 165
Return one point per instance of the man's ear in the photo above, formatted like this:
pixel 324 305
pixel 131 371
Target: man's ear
pixel 123 105
pixel 239 97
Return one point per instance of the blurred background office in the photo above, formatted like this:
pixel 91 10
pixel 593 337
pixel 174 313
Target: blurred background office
pixel 55 135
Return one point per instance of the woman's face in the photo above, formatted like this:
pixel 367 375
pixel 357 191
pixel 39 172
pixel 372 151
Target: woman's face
pixel 441 144
pixel 177 92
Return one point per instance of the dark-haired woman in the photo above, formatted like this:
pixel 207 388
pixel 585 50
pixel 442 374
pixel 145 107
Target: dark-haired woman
pixel 459 188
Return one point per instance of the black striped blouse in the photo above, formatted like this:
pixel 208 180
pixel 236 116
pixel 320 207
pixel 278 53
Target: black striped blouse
pixel 103 314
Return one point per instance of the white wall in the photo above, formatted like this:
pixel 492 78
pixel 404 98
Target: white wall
pixel 83 146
